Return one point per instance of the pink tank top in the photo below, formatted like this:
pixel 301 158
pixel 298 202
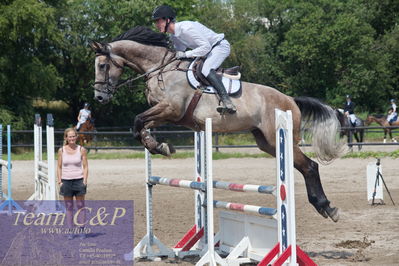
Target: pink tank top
pixel 71 165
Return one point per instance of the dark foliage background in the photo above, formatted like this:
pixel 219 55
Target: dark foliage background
pixel 319 48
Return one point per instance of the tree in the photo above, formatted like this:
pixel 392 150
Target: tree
pixel 27 32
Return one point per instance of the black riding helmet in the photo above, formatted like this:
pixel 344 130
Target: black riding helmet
pixel 165 12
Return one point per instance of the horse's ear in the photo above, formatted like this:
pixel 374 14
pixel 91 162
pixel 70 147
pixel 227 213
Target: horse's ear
pixel 97 47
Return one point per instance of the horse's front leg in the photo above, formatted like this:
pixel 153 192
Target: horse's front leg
pixel 153 117
pixel 385 135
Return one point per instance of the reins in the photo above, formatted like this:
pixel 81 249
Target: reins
pixel 125 82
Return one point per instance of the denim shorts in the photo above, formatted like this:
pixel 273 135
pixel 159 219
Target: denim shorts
pixel 74 187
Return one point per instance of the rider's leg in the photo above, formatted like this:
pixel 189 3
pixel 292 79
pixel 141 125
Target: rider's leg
pixel 78 126
pixel 352 119
pixel 390 118
pixel 219 87
pixel 215 58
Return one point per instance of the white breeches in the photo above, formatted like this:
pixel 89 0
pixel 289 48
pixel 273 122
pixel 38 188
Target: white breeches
pixel 352 118
pixel 391 116
pixel 81 122
pixel 216 57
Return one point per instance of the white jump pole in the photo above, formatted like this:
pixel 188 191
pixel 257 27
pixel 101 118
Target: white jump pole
pixel 211 256
pixel 9 202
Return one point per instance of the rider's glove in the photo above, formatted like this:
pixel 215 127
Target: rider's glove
pixel 180 55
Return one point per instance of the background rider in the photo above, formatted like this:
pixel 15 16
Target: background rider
pixel 84 114
pixel 349 110
pixel 392 113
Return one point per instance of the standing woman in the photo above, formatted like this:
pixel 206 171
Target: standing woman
pixel 72 173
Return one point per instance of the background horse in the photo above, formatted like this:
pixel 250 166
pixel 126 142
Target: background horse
pixel 169 95
pixel 87 128
pixel 347 128
pixel 382 121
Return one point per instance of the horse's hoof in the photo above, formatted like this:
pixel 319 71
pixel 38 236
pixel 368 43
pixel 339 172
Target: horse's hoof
pixel 333 213
pixel 171 148
pixel 322 212
pixel 165 149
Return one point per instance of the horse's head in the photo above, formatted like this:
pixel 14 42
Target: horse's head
pixel 109 67
pixel 341 117
pixel 369 120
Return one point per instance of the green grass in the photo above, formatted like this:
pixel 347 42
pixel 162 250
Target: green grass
pixel 216 155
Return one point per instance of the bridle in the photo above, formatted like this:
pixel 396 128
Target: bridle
pixel 110 89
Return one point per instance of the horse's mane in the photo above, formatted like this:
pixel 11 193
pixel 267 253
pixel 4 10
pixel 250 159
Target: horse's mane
pixel 379 116
pixel 144 35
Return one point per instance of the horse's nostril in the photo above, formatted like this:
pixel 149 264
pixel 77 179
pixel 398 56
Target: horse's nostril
pixel 99 98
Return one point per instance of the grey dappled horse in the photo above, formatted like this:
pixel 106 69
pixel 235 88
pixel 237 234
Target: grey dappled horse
pixel 169 95
pixel 348 128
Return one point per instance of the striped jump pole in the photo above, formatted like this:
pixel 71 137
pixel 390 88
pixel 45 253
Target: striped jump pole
pixel 175 182
pixel 269 212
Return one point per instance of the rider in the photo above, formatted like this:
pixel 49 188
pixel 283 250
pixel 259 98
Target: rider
pixel 392 113
pixel 204 43
pixel 349 110
pixel 84 114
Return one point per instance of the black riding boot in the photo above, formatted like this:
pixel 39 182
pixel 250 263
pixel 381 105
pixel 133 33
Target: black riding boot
pixel 228 106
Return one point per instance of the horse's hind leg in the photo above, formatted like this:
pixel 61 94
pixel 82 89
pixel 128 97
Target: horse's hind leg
pixel 385 135
pixel 316 196
pixel 361 137
pixel 310 171
pixel 390 135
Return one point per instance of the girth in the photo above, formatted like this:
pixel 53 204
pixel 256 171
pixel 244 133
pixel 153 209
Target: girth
pixel 187 119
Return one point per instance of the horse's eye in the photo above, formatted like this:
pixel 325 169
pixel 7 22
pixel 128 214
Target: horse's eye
pixel 102 66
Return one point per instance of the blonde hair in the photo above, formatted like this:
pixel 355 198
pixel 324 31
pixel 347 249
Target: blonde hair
pixel 66 134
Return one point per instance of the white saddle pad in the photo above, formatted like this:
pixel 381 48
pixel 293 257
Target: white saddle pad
pixel 232 85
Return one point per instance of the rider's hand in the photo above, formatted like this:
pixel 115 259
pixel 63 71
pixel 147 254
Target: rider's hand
pixel 180 55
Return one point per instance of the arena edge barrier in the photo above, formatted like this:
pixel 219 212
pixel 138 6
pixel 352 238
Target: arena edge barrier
pixel 8 202
pixel 200 238
pixel 45 195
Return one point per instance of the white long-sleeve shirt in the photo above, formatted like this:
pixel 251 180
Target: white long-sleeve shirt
pixel 194 35
pixel 83 115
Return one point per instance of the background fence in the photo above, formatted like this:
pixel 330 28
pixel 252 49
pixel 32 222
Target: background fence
pixel 122 138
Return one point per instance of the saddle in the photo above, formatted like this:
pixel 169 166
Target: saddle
pixel 232 72
pixel 229 76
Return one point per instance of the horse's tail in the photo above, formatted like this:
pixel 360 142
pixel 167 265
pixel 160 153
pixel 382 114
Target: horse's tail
pixel 322 120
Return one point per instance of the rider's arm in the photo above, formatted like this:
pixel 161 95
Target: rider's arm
pixel 59 166
pixel 85 166
pixel 79 115
pixel 179 45
pixel 192 35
